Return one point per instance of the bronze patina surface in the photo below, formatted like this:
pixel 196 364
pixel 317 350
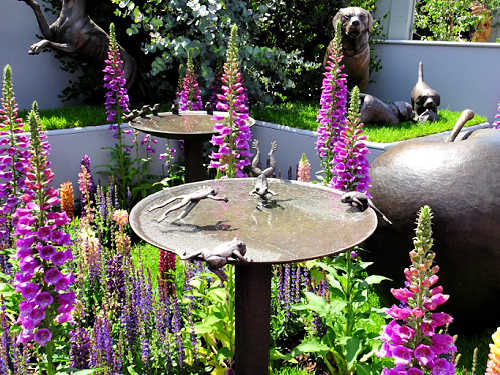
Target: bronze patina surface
pixel 307 222
pixel 460 181
pixel 73 33
pixel 187 125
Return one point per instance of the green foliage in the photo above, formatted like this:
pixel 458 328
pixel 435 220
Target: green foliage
pixel 169 29
pixel 290 371
pixel 447 20
pixel 352 324
pixel 214 313
pixel 283 43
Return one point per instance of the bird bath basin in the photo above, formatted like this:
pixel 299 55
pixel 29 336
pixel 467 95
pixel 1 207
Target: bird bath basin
pixel 308 221
pixel 194 127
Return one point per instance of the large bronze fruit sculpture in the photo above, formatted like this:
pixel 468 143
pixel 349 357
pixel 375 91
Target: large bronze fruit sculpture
pixel 460 180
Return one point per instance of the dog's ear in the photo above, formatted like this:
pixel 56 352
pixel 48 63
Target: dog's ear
pixel 370 22
pixel 337 17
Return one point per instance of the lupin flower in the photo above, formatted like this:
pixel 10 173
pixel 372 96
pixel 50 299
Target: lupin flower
pixel 496 124
pixel 350 167
pixel 120 217
pixel 190 99
pixel 14 162
pixel 85 187
pixel 493 365
pixel 411 338
pixel 42 250
pixel 233 131
pixel 304 170
pixel 92 186
pixel 333 102
pixel 67 199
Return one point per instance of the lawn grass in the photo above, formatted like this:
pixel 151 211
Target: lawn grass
pixel 303 116
pixel 149 256
pixel 69 117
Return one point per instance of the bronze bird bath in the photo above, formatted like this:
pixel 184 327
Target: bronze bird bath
pixel 308 221
pixel 194 127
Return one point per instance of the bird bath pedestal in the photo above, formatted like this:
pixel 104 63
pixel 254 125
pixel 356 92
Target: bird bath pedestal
pixel 307 222
pixel 194 127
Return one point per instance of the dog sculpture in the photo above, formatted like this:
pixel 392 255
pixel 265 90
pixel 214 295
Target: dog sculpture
pixel 73 33
pixel 375 111
pixel 424 99
pixel 356 26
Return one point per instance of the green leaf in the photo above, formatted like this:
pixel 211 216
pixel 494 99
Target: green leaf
pixel 352 347
pixel 375 279
pixel 334 283
pixel 317 304
pixel 223 354
pixel 208 325
pixel 311 345
pixel 362 369
pixel 365 265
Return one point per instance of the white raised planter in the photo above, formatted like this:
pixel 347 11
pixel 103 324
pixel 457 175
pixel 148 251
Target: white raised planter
pixel 67 147
pixel 293 142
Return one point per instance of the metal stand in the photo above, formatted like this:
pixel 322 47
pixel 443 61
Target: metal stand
pixel 253 318
pixel 193 158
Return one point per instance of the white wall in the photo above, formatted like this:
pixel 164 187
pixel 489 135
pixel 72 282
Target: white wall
pixel 467 75
pixel 35 77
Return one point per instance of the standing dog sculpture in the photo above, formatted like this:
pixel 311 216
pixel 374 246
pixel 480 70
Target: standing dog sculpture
pixel 424 99
pixel 73 33
pixel 356 27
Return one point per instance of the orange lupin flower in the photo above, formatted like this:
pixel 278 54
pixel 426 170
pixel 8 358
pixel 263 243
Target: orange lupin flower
pixel 67 199
pixel 493 365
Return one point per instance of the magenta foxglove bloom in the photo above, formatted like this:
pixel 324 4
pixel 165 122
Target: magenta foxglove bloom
pixel 234 133
pixel 14 162
pixel 189 98
pixel 332 112
pixel 350 167
pixel 117 100
pixel 40 279
pixel 411 338
pixel 496 124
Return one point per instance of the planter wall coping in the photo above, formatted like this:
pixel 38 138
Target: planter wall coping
pixel 440 43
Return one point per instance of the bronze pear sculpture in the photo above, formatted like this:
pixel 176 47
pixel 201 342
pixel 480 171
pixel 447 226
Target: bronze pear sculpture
pixel 459 178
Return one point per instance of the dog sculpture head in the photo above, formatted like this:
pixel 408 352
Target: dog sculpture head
pixel 355 21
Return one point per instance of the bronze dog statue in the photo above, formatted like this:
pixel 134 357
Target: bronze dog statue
pixel 424 99
pixel 375 111
pixel 73 33
pixel 356 27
